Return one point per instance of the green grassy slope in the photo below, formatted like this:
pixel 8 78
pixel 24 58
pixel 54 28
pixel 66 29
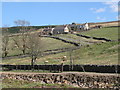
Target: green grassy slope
pixel 109 33
pixel 101 54
pixel 78 39
pixel 55 44
pixel 49 44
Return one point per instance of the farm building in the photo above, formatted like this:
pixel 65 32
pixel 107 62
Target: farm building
pixel 47 31
pixel 61 30
pixel 79 27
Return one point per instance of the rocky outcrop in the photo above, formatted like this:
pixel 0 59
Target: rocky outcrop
pixel 82 80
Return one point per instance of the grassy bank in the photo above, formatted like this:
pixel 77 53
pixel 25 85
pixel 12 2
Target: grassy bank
pixel 78 39
pixel 11 83
pixel 48 44
pixel 98 53
pixel 109 33
pixel 102 53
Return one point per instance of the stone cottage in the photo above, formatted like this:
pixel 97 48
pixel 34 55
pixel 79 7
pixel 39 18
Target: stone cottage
pixel 47 31
pixel 61 30
pixel 79 27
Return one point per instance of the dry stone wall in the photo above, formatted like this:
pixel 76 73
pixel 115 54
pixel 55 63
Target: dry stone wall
pixel 96 38
pixel 57 67
pixel 82 80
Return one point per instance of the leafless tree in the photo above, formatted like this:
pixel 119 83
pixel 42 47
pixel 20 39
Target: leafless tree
pixel 5 41
pixel 36 47
pixel 22 23
pixel 21 40
pixel 28 41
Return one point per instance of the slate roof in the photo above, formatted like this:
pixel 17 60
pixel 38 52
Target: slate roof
pixel 59 28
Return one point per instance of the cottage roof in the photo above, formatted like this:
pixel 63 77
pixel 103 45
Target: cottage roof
pixel 47 29
pixel 59 28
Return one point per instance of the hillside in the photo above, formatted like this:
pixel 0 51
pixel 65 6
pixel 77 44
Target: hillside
pixel 91 52
pixel 109 33
pixel 100 53
pixel 16 29
pixel 48 43
pixel 105 24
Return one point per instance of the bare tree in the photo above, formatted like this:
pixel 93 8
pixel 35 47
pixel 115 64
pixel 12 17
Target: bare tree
pixel 22 23
pixel 5 41
pixel 21 41
pixel 36 47
pixel 28 41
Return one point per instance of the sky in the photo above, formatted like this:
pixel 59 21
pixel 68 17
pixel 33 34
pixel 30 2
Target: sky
pixel 58 13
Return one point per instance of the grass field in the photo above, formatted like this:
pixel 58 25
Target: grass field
pixel 12 83
pixel 101 54
pixel 104 53
pixel 55 44
pixel 48 44
pixel 77 39
pixel 109 33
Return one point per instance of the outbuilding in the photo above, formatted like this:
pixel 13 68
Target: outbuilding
pixel 61 30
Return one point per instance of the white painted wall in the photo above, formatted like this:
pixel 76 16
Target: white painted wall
pixel 66 29
pixel 86 27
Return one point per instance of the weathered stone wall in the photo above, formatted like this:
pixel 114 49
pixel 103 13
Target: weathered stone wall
pixel 66 41
pixel 96 38
pixel 87 68
pixel 82 80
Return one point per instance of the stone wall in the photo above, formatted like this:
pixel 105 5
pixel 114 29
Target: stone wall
pixel 66 41
pixel 96 38
pixel 55 67
pixel 82 80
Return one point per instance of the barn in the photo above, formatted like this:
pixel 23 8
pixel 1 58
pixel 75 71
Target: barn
pixel 47 31
pixel 61 30
pixel 79 27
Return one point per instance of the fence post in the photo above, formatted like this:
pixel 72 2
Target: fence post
pixel 116 69
pixel 38 67
pixel 20 67
pixel 23 67
pixel 61 67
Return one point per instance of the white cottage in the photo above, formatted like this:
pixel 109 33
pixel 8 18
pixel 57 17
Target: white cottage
pixel 61 30
pixel 79 27
pixel 86 27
